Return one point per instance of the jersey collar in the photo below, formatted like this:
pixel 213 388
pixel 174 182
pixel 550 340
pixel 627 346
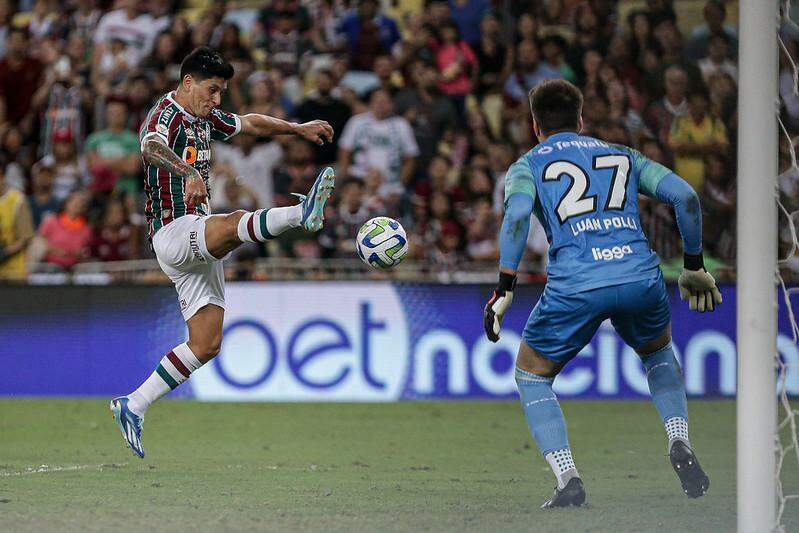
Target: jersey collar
pixel 171 97
pixel 562 136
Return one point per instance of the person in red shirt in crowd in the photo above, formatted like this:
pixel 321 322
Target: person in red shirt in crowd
pixel 457 64
pixel 113 239
pixel 67 233
pixel 20 76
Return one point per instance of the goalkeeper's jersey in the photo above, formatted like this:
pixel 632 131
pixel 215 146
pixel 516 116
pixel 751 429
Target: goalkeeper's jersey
pixel 585 194
pixel 189 137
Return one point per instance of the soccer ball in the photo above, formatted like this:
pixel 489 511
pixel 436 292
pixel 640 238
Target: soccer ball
pixel 381 242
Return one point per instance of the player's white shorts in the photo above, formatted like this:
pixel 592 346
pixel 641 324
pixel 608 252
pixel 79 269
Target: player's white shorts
pixel 198 276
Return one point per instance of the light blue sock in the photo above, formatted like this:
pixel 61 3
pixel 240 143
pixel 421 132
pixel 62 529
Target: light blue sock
pixel 668 392
pixel 546 423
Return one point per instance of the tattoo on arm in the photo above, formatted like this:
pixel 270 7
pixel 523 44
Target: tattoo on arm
pixel 159 154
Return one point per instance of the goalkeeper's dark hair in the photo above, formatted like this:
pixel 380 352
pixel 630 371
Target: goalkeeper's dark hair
pixel 204 63
pixel 556 106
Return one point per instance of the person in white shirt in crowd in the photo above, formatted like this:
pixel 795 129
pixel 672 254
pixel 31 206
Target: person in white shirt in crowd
pixel 718 58
pixel 253 162
pixel 130 25
pixel 379 141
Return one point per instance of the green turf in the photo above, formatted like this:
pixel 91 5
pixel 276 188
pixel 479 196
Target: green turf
pixel 459 466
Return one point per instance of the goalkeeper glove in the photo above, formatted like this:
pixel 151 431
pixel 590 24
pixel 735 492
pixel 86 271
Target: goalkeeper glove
pixel 498 305
pixel 697 286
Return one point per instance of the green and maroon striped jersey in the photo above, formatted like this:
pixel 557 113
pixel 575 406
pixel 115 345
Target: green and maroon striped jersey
pixel 190 137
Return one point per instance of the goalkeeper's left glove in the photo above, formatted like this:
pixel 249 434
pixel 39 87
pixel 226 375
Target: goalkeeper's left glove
pixel 498 305
pixel 697 285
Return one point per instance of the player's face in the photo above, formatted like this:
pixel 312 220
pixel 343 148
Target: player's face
pixel 205 95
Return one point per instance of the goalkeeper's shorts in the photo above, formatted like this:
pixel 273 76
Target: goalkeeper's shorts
pixel 563 323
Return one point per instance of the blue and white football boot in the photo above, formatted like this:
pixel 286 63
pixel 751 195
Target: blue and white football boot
pixel 130 424
pixel 313 204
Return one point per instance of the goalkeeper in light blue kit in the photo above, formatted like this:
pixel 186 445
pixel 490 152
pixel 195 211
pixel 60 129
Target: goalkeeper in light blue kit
pixel 585 193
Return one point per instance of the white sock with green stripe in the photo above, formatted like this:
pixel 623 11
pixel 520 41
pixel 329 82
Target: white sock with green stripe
pixel 174 368
pixel 265 224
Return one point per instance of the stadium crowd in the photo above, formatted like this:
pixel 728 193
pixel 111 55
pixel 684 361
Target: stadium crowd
pixel 428 99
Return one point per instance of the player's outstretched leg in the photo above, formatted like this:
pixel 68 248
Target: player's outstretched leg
pixel 668 394
pixel 265 224
pixel 174 368
pixel 545 420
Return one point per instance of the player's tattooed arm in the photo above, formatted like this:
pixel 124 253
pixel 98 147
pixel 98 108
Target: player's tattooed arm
pixel 157 153
pixel 316 131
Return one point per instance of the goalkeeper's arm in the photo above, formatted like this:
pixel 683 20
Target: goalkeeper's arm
pixel 512 240
pixel 696 284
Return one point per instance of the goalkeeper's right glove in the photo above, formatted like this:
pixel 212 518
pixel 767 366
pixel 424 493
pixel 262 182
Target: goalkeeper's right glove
pixel 498 305
pixel 697 285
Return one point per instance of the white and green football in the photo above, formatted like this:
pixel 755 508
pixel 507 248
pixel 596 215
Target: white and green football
pixel 382 243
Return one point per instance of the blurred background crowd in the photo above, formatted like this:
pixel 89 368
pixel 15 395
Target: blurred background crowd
pixel 428 99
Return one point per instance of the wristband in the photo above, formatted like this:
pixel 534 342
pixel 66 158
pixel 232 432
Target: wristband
pixel 693 261
pixel 507 282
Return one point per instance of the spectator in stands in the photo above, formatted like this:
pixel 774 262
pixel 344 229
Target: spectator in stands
pixel 718 59
pixel 467 14
pixel 620 111
pixel 296 172
pixel 64 100
pixel 20 77
pixel 42 200
pixel 66 235
pixel 287 49
pixel 429 113
pixel 718 207
pixel 457 65
pixel 526 28
pixel 128 24
pixel 529 72
pixel 715 13
pixel 16 231
pixel 338 238
pixel 112 154
pixel 253 161
pixel 70 169
pixel 693 136
pixel 673 105
pixel 481 234
pixel 553 48
pixel 322 105
pixel 385 71
pixel 379 141
pixel 494 58
pixel 114 238
pixel 18 158
pixel 83 20
pixel 369 34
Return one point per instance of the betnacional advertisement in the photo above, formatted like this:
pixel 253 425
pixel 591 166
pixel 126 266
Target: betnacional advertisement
pixel 338 341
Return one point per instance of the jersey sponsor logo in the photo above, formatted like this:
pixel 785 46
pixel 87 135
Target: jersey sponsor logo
pixel 610 254
pixel 194 245
pixel 191 155
pixel 163 130
pixel 595 143
pixel 166 115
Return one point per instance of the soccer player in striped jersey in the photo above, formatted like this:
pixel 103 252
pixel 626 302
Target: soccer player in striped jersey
pixel 585 194
pixel 187 239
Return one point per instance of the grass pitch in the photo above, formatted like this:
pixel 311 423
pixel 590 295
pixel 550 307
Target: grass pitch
pixel 459 466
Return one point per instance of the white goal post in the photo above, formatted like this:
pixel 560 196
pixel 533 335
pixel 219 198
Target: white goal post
pixel 756 411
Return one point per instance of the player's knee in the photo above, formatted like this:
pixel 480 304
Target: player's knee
pixel 208 348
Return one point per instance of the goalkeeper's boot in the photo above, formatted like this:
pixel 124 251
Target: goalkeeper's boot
pixel 130 424
pixel 694 480
pixel 313 204
pixel 573 494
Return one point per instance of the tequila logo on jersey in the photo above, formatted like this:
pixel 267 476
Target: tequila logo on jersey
pixel 191 155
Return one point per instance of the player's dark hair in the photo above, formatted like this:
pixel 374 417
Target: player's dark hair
pixel 204 63
pixel 556 106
